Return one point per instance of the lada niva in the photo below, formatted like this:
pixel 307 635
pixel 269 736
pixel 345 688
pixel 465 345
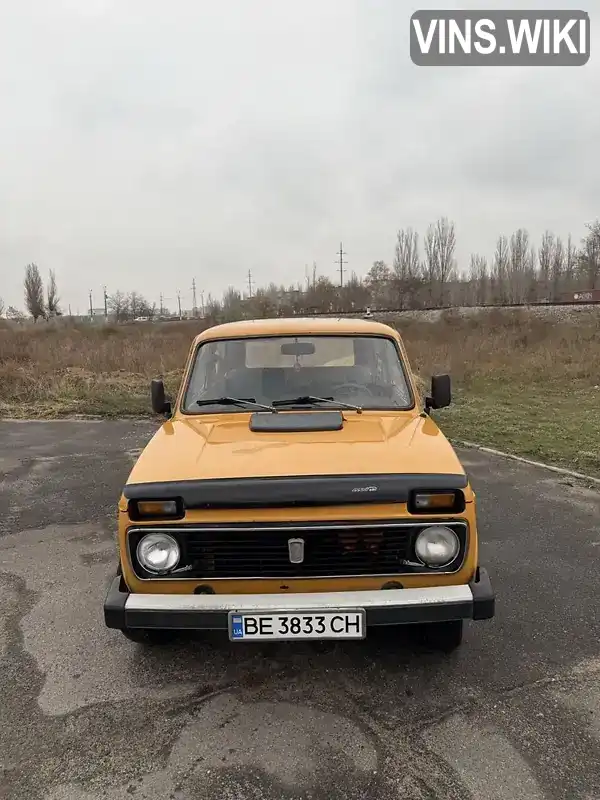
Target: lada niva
pixel 298 488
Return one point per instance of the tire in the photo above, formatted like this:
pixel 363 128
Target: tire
pixel 444 636
pixel 149 636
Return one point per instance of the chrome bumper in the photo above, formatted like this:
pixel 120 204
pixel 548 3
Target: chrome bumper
pixel 474 600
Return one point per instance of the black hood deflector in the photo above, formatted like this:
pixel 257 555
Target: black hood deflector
pixel 294 490
pixel 296 422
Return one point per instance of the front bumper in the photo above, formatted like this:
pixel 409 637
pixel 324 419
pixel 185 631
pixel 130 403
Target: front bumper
pixel 474 600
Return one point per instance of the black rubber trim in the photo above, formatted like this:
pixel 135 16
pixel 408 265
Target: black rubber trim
pixel 180 620
pixel 114 603
pixel 296 490
pixel 484 599
pixel 290 422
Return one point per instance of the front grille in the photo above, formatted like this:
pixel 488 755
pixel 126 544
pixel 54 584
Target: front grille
pixel 330 550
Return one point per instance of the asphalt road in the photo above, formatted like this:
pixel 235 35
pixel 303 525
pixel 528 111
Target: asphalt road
pixel 514 715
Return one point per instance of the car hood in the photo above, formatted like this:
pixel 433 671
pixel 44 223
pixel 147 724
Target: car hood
pixel 369 443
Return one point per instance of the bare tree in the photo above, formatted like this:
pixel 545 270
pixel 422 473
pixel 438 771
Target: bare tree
pixel 558 267
pixel 118 303
pixel 378 283
pixel 500 270
pixel 521 267
pixel 430 262
pixel 1 306
pixel 212 310
pixel 407 277
pixel 406 258
pixel 34 292
pixel 546 260
pixel 323 295
pixel 439 263
pixel 588 259
pixel 353 294
pixel 481 277
pixel 570 263
pixel 232 306
pixel 137 305
pixel 446 243
pixel 52 298
pixel 531 276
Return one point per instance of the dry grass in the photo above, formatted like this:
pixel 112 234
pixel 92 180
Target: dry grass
pixel 60 370
pixel 521 383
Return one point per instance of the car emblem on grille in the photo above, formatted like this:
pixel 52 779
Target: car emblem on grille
pixel 296 550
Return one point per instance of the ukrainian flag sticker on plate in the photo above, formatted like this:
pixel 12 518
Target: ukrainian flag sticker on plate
pixel 237 627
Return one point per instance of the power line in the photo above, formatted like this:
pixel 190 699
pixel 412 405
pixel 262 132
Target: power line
pixel 341 262
pixel 195 306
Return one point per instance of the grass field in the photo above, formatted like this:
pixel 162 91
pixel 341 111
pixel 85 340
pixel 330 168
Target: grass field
pixel 522 384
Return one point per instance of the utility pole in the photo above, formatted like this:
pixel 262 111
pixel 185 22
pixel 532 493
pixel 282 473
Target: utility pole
pixel 202 301
pixel 161 304
pixel 306 278
pixel 179 303
pixel 69 309
pixel 249 283
pixel 314 283
pixel 341 262
pixel 105 303
pixel 91 306
pixel 195 311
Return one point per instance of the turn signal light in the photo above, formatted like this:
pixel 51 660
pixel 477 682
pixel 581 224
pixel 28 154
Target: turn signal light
pixel 155 509
pixel 450 502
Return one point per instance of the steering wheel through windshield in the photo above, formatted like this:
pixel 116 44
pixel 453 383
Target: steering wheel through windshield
pixel 345 388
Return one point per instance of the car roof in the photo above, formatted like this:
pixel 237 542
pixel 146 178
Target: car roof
pixel 300 326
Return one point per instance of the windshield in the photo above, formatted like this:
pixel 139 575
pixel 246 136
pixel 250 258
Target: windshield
pixel 362 370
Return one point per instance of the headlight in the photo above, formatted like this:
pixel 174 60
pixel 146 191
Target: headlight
pixel 437 546
pixel 158 552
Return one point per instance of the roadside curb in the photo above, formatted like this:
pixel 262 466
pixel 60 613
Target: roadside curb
pixel 531 462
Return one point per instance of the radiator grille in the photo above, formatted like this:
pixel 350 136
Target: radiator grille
pixel 329 550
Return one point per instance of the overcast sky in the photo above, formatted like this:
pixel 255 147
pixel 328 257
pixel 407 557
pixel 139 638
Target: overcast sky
pixel 145 143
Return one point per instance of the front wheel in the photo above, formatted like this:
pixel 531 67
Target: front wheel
pixel 149 636
pixel 444 636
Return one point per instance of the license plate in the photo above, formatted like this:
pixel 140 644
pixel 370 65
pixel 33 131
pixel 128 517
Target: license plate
pixel 276 625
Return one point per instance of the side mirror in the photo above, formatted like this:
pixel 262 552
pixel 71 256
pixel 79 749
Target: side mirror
pixel 160 404
pixel 441 392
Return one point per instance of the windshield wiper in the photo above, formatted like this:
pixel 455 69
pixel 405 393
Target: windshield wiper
pixel 233 401
pixel 309 400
